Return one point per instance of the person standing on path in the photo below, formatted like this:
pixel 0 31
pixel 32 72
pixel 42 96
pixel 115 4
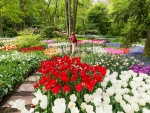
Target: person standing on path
pixel 73 41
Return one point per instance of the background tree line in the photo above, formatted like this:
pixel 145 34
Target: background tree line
pixel 111 17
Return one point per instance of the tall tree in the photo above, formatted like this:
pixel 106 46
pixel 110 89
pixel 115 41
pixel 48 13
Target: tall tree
pixel 135 16
pixel 98 18
pixel 71 15
pixel 3 3
pixel 83 7
pixel 53 13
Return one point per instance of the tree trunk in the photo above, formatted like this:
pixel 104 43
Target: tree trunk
pixel 69 16
pixel 53 14
pixel 75 6
pixel 67 20
pixel 84 28
pixel 1 27
pixel 147 44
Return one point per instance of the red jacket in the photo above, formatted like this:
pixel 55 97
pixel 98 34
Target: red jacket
pixel 73 39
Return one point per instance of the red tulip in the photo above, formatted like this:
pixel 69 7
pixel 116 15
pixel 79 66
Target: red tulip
pixel 74 77
pixel 66 88
pixel 36 85
pixel 55 89
pixel 78 87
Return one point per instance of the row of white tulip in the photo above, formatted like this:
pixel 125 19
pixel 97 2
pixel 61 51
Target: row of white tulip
pixel 129 91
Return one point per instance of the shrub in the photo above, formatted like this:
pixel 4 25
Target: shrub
pixel 10 33
pixel 28 41
pixel 1 44
pixel 48 32
pixel 92 32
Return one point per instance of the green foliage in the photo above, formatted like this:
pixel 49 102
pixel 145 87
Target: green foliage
pixel 98 18
pixel 117 40
pixel 92 32
pixel 1 44
pixel 15 67
pixel 116 63
pixel 10 33
pixel 132 19
pixel 28 41
pixel 48 32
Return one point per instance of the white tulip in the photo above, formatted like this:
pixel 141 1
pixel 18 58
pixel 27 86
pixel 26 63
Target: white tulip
pixel 110 91
pixel 38 94
pixel 87 98
pixel 135 107
pixel 122 103
pixel 120 91
pixel 126 90
pixel 142 102
pixel 89 108
pixel 99 91
pixel 44 100
pixel 107 107
pixel 55 109
pixel 129 75
pixel 116 86
pixel 114 81
pixel 145 110
pixel 71 105
pixel 128 109
pixel 124 84
pixel 143 75
pixel 24 110
pixel 105 94
pixel 31 110
pixel 124 72
pixel 103 84
pixel 146 87
pixel 133 99
pixel 115 74
pixel 126 97
pixel 134 74
pixel 106 79
pixel 147 81
pixel 93 96
pixel 57 101
pixel 106 100
pixel 83 105
pixel 119 81
pixel 97 101
pixel 60 108
pixel 18 104
pixel 148 92
pixel 147 98
pixel 35 101
pixel 118 97
pixel 141 89
pixel 133 86
pixel 73 98
pixel 107 72
pixel 43 105
pixel 137 94
pixel 99 110
pixel 143 95
pixel 132 83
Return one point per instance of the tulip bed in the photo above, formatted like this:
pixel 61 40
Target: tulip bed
pixel 94 81
pixel 15 67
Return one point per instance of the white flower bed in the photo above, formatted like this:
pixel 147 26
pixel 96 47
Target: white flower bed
pixel 124 93
pixel 98 50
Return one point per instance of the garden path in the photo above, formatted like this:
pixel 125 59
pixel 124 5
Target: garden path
pixel 23 92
